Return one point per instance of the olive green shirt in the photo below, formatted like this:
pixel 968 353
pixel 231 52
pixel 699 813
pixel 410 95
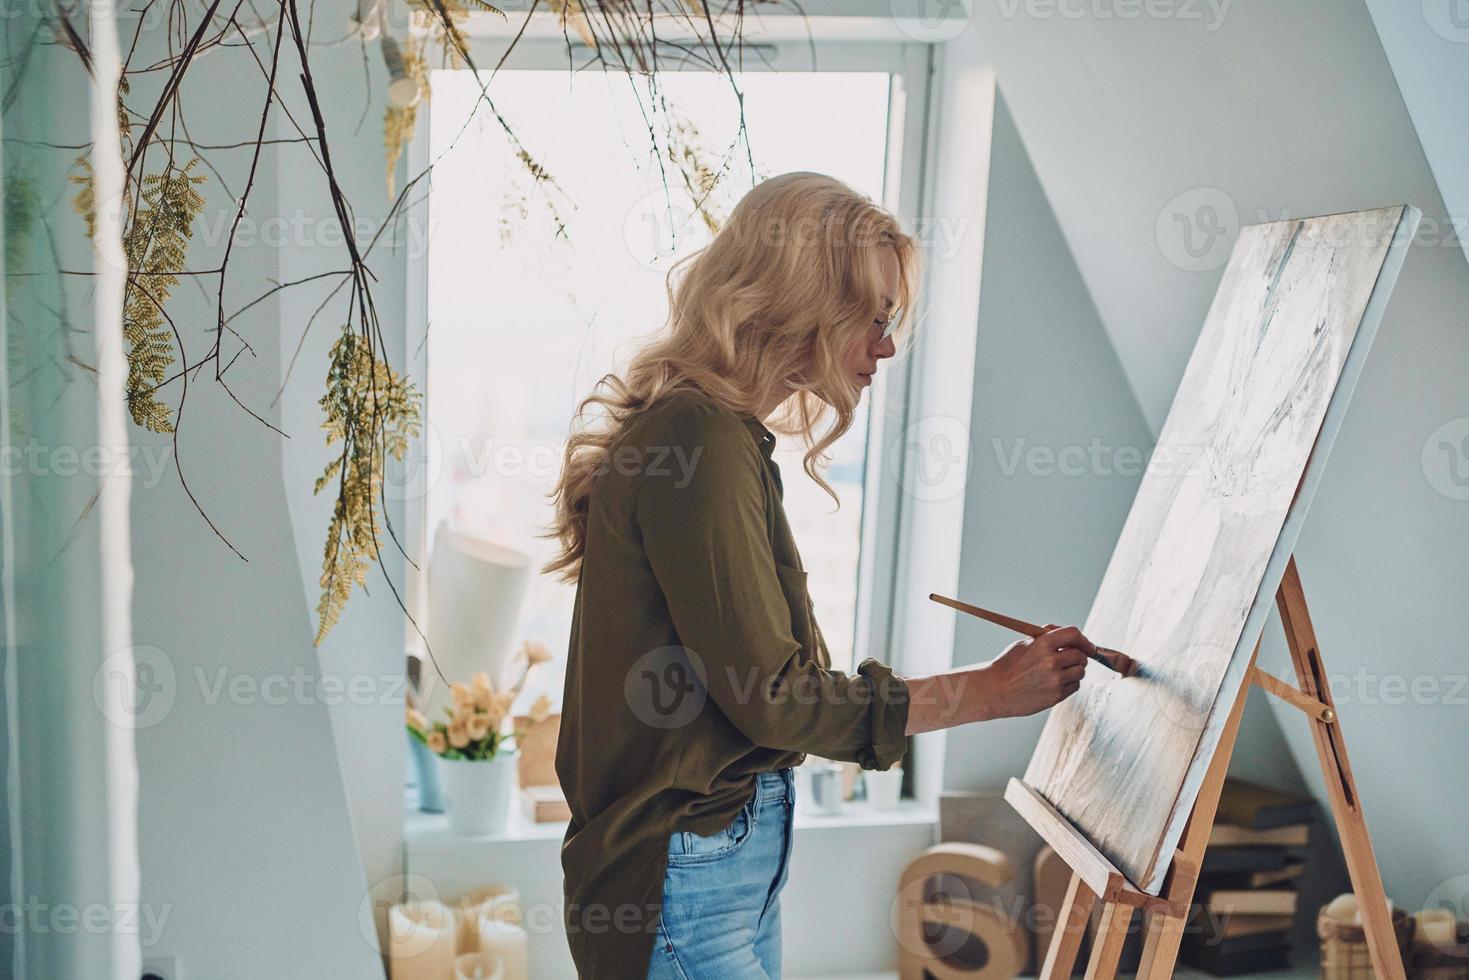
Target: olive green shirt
pixel 695 662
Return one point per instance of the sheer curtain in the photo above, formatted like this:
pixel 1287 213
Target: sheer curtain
pixel 71 690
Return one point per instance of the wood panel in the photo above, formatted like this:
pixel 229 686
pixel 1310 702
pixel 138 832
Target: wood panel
pixel 1211 527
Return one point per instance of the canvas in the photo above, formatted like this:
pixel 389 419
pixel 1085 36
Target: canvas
pixel 1204 547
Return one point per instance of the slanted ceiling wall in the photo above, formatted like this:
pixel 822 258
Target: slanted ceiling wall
pixel 1153 138
pixel 271 792
pixel 1058 440
pixel 1427 45
pixel 1039 519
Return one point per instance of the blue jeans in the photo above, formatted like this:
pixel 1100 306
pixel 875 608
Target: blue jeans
pixel 721 893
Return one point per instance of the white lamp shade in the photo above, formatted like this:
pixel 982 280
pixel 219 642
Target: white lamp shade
pixel 475 590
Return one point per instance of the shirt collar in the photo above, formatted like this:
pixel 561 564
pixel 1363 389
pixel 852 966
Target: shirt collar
pixel 762 435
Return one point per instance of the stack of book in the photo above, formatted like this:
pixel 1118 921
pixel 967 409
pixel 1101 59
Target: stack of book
pixel 1246 901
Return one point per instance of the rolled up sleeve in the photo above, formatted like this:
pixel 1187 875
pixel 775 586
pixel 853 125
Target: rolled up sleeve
pixel 704 523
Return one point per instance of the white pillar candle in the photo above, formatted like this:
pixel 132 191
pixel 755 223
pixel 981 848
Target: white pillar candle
pixel 507 941
pixel 421 940
pixel 479 966
pixel 501 901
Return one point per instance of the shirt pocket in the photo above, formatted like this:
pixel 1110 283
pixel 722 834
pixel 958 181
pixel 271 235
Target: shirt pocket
pixel 803 623
pixel 686 848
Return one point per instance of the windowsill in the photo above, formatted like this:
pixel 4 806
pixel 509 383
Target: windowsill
pixel 431 830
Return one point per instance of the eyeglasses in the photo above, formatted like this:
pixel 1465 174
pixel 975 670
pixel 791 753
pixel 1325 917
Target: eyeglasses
pixel 891 323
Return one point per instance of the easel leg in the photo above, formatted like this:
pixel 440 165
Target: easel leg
pixel 1071 922
pixel 1165 932
pixel 1111 935
pixel 1341 789
pixel 1161 939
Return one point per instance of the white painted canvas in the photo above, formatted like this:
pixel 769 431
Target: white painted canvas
pixel 1195 570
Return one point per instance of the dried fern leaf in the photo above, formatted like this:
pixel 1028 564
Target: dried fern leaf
pixel 373 413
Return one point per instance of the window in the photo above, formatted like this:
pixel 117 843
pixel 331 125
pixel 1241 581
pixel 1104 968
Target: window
pixel 533 292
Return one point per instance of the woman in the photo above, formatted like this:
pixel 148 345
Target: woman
pixel 697 676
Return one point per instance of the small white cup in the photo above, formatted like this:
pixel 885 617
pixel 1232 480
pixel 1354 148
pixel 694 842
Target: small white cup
pixel 823 787
pixel 884 788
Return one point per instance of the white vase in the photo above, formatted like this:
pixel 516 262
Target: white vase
pixel 478 793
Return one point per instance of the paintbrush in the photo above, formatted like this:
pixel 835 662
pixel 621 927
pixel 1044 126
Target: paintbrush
pixel 1112 659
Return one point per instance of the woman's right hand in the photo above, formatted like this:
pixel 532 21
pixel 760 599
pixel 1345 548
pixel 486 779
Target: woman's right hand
pixel 1035 673
pixel 1029 676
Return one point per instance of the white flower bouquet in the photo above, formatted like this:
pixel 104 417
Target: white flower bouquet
pixel 475 729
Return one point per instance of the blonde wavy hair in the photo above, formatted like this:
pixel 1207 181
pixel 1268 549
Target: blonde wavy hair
pixel 768 309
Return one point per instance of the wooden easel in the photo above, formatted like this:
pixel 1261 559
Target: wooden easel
pixel 1095 877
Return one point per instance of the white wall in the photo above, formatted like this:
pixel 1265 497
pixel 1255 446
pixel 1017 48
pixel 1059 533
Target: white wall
pixel 1282 109
pixel 1136 129
pixel 246 834
pixel 1040 517
pixel 1427 45
pixel 366 646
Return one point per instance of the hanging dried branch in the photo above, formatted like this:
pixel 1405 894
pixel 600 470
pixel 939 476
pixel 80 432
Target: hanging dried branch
pixel 156 246
pixel 156 243
pixel 444 21
pixel 399 120
pixel 371 412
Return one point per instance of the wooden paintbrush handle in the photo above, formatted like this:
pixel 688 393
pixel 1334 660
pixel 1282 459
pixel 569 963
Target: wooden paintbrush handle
pixel 999 619
pixel 1113 659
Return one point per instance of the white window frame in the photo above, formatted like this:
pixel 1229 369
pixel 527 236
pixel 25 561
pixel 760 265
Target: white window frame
pixel 823 42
